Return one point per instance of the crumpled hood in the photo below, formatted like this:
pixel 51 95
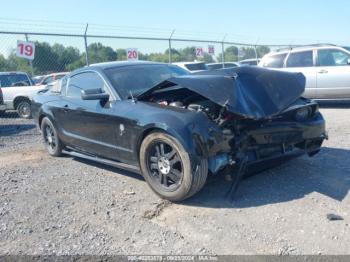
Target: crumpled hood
pixel 251 92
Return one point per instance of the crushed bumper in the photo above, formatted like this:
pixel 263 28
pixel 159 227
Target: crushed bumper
pixel 275 144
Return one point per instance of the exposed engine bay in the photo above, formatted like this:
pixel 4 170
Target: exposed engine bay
pixel 301 110
pixel 187 99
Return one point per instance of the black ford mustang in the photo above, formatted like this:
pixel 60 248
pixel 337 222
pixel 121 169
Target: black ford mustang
pixel 175 128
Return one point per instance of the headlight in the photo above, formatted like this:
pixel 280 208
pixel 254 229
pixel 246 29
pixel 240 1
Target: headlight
pixel 303 114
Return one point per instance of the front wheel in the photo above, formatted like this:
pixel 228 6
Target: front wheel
pixel 52 142
pixel 168 169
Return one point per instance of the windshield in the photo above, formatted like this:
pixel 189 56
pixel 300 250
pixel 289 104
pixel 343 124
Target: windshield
pixel 14 80
pixel 138 79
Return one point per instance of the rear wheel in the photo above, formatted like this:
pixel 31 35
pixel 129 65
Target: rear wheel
pixel 168 169
pixel 52 142
pixel 23 108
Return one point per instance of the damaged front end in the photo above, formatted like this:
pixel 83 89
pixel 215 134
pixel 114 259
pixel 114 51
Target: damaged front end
pixel 261 117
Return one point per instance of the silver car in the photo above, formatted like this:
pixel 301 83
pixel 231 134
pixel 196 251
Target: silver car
pixel 326 68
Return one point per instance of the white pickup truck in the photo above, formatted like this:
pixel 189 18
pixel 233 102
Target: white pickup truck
pixel 17 90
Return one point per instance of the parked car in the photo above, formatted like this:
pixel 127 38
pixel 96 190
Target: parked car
pixel 37 79
pixel 192 66
pixel 17 90
pixel 249 62
pixel 51 78
pixel 214 66
pixel 326 68
pixel 174 127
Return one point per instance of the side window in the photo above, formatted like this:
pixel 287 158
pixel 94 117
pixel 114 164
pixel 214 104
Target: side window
pixel 58 77
pixel 47 80
pixel 274 61
pixel 332 57
pixel 84 81
pixel 300 59
pixel 63 85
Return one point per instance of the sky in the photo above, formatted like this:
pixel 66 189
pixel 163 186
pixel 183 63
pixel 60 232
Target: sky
pixel 253 21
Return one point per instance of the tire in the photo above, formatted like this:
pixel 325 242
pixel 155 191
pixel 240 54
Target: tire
pixel 52 142
pixel 169 170
pixel 23 108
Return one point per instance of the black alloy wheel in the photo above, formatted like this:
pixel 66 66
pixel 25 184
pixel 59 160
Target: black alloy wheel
pixel 165 165
pixel 168 168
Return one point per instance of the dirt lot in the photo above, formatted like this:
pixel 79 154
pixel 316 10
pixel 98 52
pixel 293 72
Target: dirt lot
pixel 70 206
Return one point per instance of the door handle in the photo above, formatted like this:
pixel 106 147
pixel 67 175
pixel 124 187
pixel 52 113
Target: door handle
pixel 323 71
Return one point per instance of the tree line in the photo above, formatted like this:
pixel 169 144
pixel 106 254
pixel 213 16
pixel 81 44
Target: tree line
pixel 58 58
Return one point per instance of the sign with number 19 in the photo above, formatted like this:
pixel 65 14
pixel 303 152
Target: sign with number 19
pixel 25 49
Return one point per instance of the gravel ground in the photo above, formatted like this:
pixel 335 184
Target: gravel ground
pixel 70 206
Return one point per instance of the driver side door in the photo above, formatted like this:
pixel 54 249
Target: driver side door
pixel 88 125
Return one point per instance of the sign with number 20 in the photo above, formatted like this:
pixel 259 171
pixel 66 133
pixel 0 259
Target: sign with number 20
pixel 132 54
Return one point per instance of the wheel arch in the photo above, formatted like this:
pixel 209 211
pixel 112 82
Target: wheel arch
pixel 40 119
pixel 189 141
pixel 20 98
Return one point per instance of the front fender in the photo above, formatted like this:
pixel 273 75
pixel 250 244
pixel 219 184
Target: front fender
pixel 197 134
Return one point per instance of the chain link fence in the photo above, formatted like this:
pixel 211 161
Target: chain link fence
pixel 61 53
pixel 66 52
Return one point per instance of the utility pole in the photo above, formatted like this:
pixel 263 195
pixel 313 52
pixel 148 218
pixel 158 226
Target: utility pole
pixel 256 52
pixel 86 46
pixel 171 35
pixel 223 51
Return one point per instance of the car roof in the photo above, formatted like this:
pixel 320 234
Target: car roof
pixel 186 63
pixel 220 63
pixel 13 73
pixel 305 47
pixel 249 60
pixel 114 64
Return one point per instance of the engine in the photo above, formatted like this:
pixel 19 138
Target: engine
pixel 212 110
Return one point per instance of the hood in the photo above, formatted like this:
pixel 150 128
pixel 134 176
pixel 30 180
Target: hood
pixel 251 92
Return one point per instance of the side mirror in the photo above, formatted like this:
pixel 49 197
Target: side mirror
pixel 94 94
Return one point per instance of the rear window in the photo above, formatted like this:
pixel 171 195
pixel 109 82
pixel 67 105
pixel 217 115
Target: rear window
pixel 9 80
pixel 274 61
pixel 196 66
pixel 300 59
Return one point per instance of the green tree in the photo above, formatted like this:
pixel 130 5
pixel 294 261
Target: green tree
pixel 15 63
pixel 99 53
pixel 67 56
pixel 262 50
pixel 230 54
pixel 45 60
pixel 4 64
pixel 121 54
